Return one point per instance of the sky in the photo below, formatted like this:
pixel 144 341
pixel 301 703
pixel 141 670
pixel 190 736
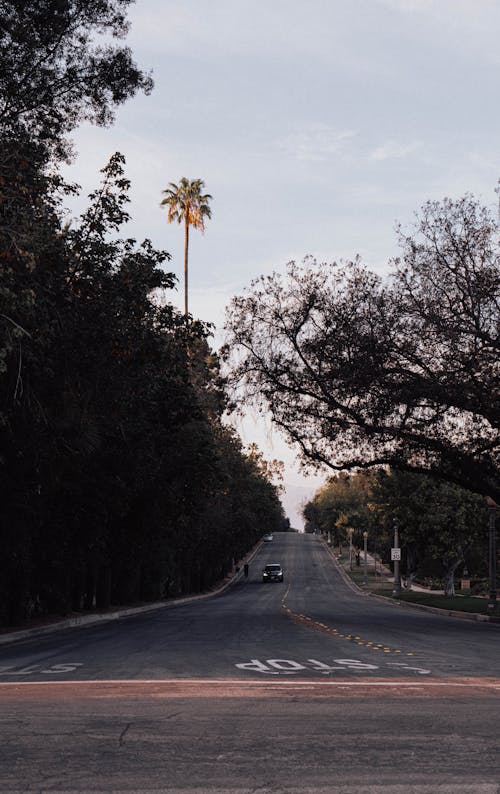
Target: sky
pixel 317 125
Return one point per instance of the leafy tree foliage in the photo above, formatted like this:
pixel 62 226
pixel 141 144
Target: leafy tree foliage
pixel 441 525
pixel 54 73
pixel 343 503
pixel 272 470
pixel 118 482
pixel 358 371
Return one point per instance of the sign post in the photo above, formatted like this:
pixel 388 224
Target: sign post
pixel 396 557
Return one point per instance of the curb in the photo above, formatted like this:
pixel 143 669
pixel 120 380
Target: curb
pixel 451 613
pixel 103 617
pixel 347 579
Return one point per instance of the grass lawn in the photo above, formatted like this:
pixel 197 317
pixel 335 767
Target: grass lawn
pixel 459 603
pixel 375 584
pixel 380 585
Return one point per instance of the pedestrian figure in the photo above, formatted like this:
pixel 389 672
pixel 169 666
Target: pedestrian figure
pixel 358 557
pixel 245 569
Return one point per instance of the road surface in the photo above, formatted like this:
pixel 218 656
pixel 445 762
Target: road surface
pixel 301 686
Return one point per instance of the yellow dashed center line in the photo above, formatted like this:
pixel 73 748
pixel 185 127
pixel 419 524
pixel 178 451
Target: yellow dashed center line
pixel 298 617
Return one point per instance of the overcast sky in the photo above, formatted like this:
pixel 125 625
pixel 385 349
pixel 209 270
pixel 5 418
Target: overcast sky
pixel 316 125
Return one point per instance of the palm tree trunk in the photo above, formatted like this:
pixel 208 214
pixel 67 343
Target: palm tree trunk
pixel 186 246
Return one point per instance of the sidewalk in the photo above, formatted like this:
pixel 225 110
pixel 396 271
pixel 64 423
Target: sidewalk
pixel 354 579
pixel 384 571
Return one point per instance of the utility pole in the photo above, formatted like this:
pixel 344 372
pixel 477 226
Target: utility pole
pixel 492 509
pixel 396 557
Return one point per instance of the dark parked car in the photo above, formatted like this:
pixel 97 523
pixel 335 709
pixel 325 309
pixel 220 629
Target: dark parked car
pixel 272 573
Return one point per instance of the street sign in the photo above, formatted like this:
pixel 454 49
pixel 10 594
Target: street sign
pixel 395 554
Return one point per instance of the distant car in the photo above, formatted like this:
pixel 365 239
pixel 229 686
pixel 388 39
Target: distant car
pixel 267 538
pixel 272 573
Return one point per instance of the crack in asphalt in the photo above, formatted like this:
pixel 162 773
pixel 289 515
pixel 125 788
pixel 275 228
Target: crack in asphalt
pixel 121 740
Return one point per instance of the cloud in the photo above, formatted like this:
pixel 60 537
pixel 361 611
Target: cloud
pixel 224 27
pixel 410 6
pixel 316 142
pixel 471 27
pixel 394 150
pixel 462 10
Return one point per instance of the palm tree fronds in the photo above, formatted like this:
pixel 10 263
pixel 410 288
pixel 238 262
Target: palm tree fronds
pixel 186 202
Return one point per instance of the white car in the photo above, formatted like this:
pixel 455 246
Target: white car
pixel 267 538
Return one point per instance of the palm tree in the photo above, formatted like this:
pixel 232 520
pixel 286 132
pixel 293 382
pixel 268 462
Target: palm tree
pixel 187 203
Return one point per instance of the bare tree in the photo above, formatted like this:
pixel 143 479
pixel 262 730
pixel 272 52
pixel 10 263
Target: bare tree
pixel 359 371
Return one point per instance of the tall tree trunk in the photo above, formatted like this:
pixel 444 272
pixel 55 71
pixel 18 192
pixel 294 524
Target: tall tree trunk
pixel 449 579
pixel 186 246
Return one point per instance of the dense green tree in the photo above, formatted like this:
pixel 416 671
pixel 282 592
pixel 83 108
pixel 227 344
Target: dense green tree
pixel 442 527
pixel 55 71
pixel 119 481
pixel 343 503
pixel 53 74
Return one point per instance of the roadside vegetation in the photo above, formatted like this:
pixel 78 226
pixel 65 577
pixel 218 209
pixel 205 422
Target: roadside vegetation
pixel 443 534
pixel 392 384
pixel 379 581
pixel 119 480
pixel 361 371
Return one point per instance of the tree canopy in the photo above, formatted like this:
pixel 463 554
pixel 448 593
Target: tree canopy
pixel 54 71
pixel 441 526
pixel 119 481
pixel 358 370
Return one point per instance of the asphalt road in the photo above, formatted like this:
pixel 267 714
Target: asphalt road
pixel 295 687
pixel 311 625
